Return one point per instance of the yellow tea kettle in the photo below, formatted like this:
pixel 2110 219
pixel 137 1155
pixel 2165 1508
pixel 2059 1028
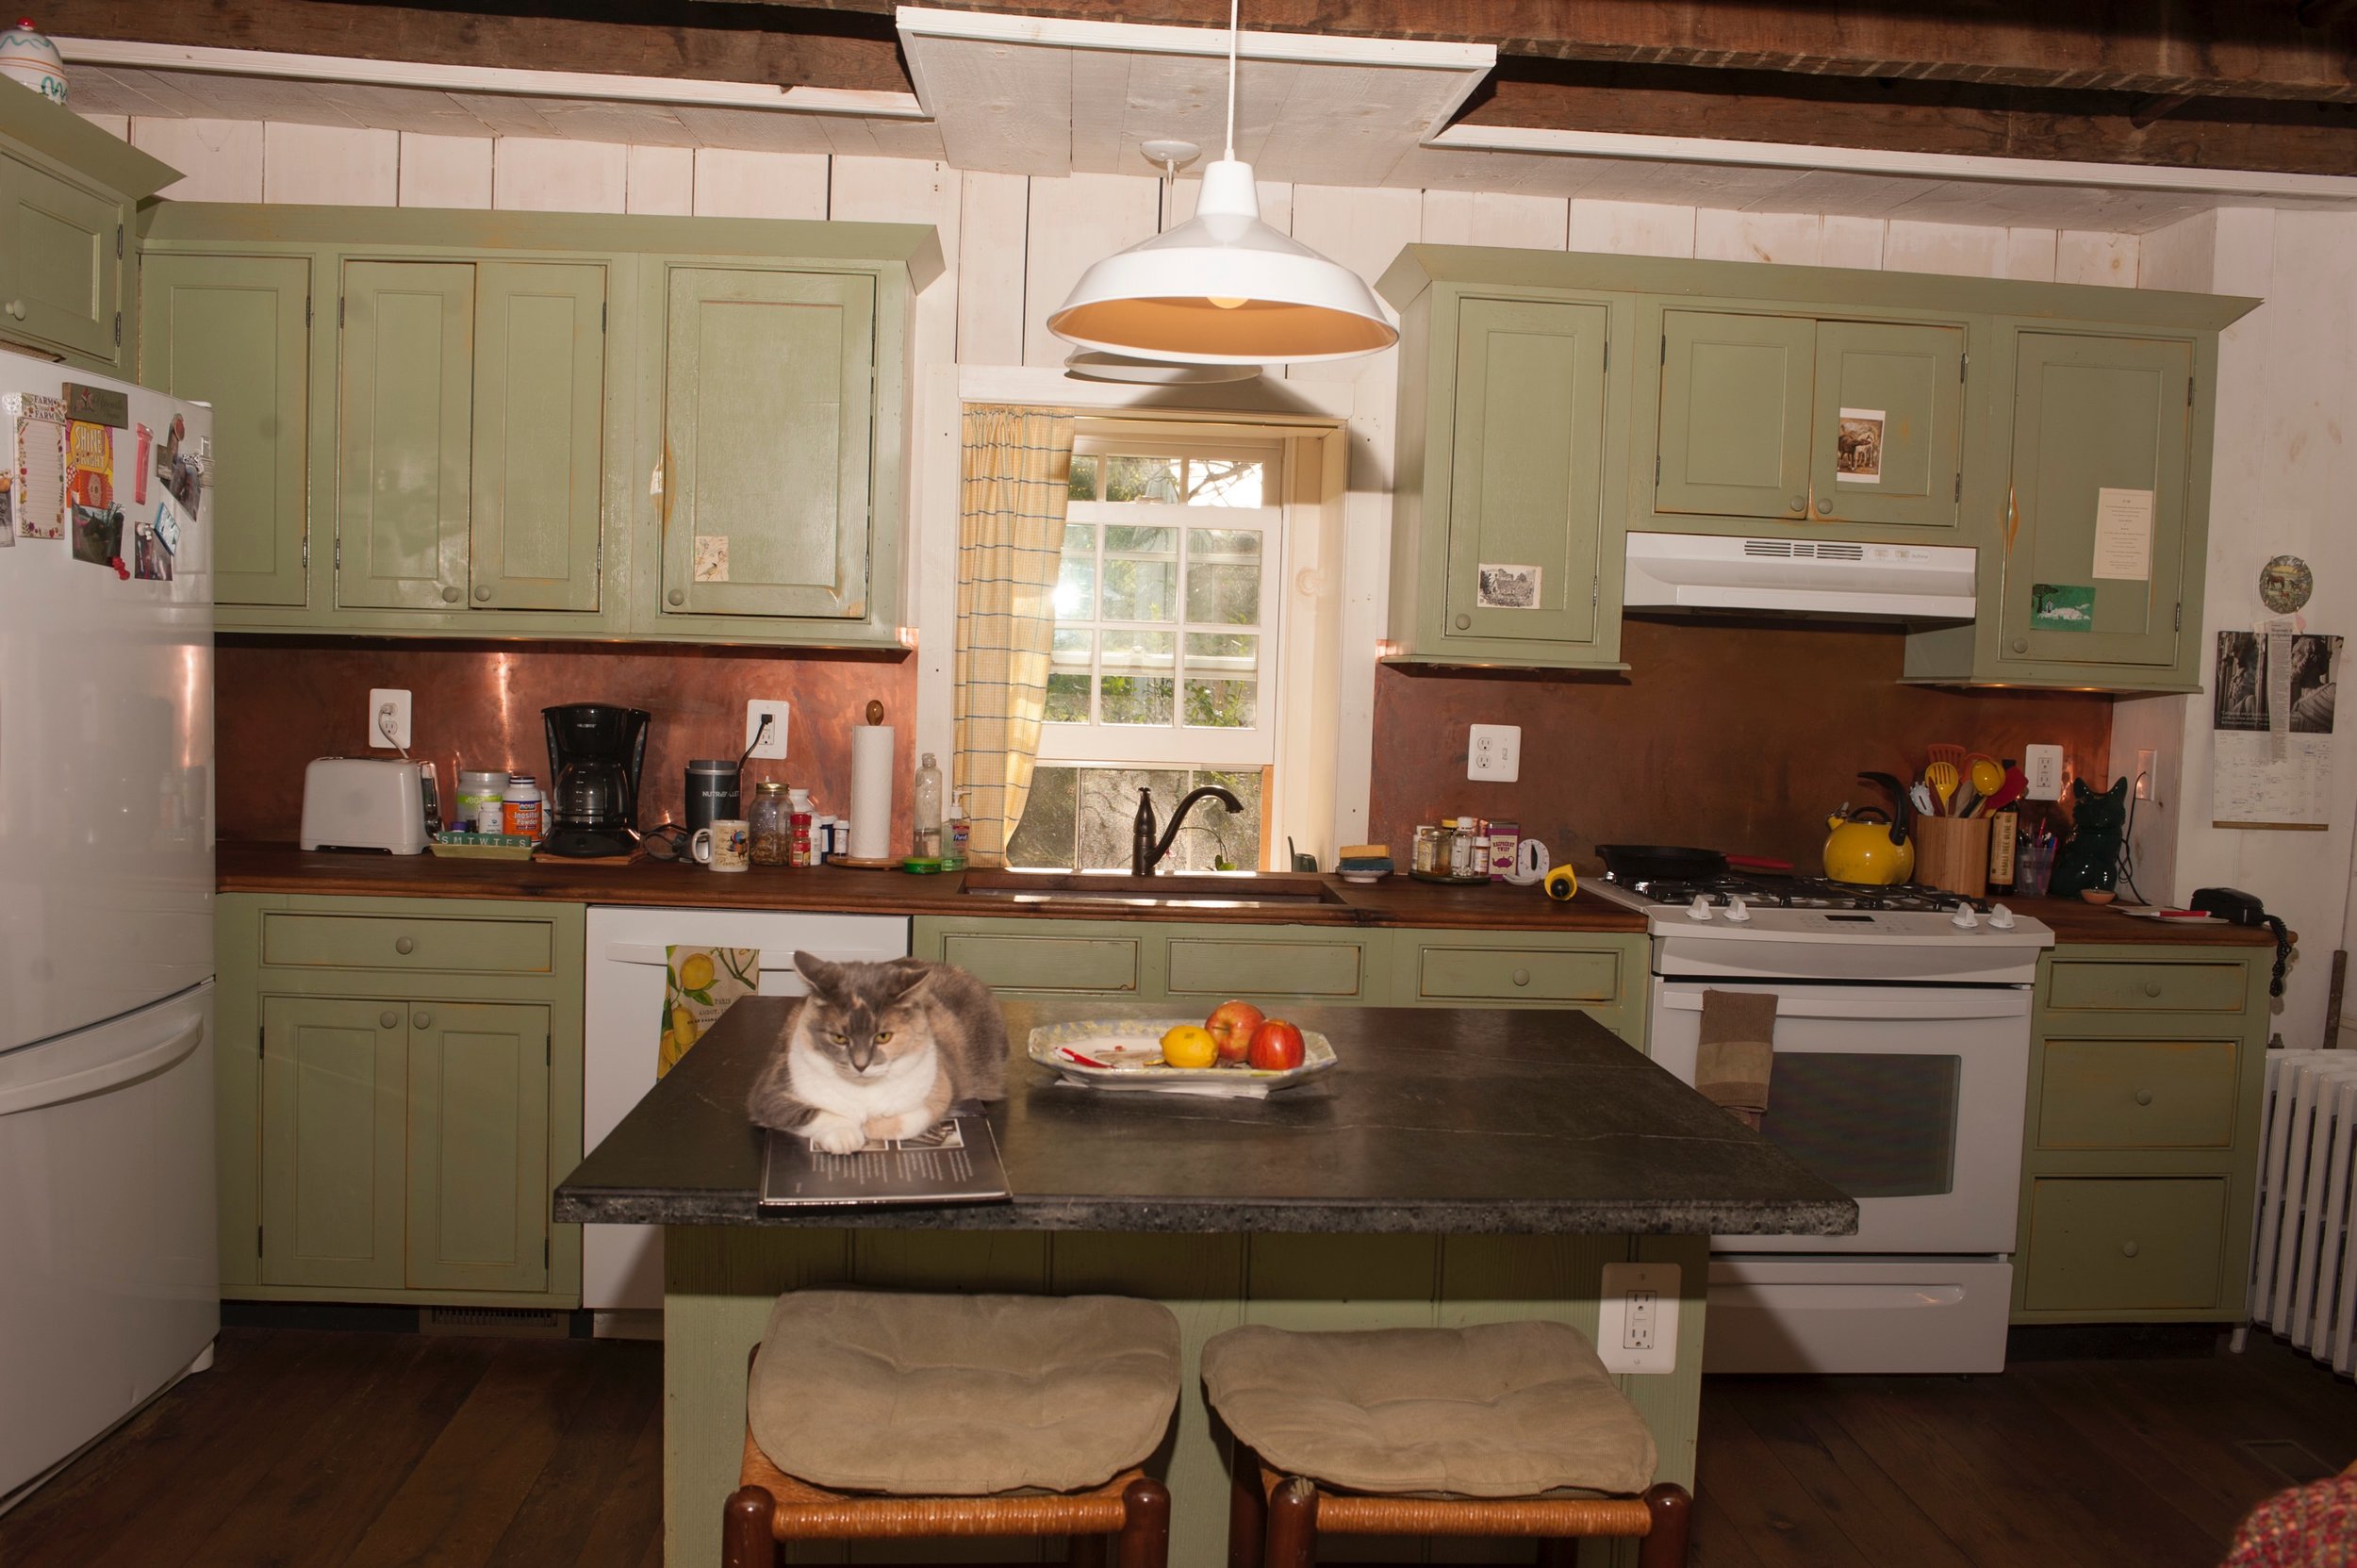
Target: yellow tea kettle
pixel 1869 847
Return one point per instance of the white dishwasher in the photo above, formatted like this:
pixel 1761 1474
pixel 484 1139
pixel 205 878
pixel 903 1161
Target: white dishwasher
pixel 622 1265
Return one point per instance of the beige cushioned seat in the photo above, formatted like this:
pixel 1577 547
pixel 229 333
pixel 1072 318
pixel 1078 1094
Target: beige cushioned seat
pixel 1501 1410
pixel 962 1396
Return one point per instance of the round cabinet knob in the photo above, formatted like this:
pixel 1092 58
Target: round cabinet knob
pixel 2144 1097
pixel 2129 1250
pixel 16 310
pixel 388 1020
pixel 1522 977
pixel 1463 621
pixel 483 595
pixel 1825 508
pixel 2021 645
pixel 2152 987
pixel 423 1019
pixel 405 944
pixel 1800 504
pixel 450 596
pixel 676 596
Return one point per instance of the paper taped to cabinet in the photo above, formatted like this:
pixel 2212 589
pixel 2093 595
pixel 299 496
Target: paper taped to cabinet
pixel 2123 534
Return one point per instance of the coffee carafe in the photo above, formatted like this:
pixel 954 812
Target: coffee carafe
pixel 596 751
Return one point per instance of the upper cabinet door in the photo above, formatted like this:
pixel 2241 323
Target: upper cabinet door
pixel 232 331
pixel 478 1152
pixel 1526 471
pixel 403 430
pixel 61 263
pixel 1735 414
pixel 1889 418
pixel 766 437
pixel 539 403
pixel 2100 450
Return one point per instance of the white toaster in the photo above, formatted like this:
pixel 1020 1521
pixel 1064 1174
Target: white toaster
pixel 369 803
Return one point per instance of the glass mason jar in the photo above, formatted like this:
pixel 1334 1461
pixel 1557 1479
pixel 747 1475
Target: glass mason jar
pixel 772 841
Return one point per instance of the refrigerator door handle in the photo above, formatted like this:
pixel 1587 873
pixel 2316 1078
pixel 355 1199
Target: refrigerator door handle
pixel 106 1075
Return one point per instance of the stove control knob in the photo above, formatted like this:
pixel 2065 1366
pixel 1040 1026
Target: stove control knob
pixel 1738 912
pixel 2000 917
pixel 1698 909
pixel 1964 919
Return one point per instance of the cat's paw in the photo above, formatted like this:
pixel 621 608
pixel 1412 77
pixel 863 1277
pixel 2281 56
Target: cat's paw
pixel 908 1124
pixel 833 1134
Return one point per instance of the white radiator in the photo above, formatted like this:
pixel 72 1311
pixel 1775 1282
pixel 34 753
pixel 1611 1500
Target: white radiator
pixel 2303 1272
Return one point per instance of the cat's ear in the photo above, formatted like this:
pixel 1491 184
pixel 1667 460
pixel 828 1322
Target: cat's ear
pixel 817 973
pixel 2119 791
pixel 907 977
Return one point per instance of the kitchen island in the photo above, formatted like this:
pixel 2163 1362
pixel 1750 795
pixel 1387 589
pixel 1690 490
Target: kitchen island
pixel 1458 1167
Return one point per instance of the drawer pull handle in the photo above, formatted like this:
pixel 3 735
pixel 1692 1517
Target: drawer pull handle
pixel 449 595
pixel 405 944
pixel 423 1019
pixel 483 595
pixel 677 597
pixel 388 1020
pixel 1825 508
pixel 2144 1097
pixel 1463 621
pixel 16 310
pixel 1522 977
pixel 2129 1250
pixel 1800 504
pixel 2021 645
pixel 2152 987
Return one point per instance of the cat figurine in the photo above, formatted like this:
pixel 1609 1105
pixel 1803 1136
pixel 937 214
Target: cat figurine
pixel 2092 858
pixel 880 1051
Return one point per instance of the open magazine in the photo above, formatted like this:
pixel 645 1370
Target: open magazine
pixel 956 1161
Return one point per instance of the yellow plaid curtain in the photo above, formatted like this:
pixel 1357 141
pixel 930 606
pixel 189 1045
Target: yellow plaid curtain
pixel 1017 471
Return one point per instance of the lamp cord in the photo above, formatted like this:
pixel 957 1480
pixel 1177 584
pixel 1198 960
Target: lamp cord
pixel 1234 11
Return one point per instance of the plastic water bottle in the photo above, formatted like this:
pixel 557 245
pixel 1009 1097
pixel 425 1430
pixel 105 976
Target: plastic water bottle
pixel 927 811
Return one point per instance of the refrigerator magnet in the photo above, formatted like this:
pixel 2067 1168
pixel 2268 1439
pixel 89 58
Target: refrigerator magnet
pixel 7 509
pixel 151 562
pixel 40 466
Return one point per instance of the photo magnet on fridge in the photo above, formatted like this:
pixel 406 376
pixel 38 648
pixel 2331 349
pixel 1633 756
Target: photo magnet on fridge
pixel 180 471
pixel 97 535
pixel 151 562
pixel 8 509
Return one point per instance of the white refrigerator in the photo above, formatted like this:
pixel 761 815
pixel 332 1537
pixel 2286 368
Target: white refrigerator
pixel 110 1279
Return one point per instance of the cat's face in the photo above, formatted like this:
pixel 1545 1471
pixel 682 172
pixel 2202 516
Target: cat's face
pixel 861 1018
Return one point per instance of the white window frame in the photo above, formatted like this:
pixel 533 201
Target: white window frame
pixel 1176 745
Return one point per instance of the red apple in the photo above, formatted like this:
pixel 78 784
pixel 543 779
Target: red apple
pixel 1231 1024
pixel 1277 1047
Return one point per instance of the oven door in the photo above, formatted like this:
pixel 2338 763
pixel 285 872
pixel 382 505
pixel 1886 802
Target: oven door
pixel 1907 1097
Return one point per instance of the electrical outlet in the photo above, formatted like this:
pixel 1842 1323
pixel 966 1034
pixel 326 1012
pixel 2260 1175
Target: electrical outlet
pixel 2146 759
pixel 1636 1321
pixel 388 719
pixel 1495 754
pixel 773 744
pixel 2043 767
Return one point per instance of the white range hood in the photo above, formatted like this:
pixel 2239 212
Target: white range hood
pixel 1810 577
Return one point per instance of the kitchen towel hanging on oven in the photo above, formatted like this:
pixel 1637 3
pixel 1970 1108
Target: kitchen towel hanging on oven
pixel 1736 1051
pixel 697 986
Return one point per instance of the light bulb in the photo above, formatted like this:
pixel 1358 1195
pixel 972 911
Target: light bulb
pixel 1227 302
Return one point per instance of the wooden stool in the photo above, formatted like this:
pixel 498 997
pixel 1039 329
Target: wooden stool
pixel 1500 1430
pixel 881 1396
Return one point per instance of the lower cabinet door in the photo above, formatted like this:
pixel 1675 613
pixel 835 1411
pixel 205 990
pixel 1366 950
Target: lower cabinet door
pixel 478 1093
pixel 334 1107
pixel 2152 1244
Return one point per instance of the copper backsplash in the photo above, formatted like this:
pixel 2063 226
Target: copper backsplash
pixel 280 701
pixel 1731 737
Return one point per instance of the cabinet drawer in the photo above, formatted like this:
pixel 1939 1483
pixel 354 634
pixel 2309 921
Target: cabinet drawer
pixel 2137 1093
pixel 2089 984
pixel 1201 967
pixel 2099 1245
pixel 1106 963
pixel 1516 974
pixel 386 942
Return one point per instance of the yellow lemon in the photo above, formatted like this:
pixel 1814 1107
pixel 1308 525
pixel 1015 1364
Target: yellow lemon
pixel 694 971
pixel 683 1027
pixel 1189 1046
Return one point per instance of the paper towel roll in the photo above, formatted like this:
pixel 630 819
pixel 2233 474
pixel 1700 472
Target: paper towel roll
pixel 871 792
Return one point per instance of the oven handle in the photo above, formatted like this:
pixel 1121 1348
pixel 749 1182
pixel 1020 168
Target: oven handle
pixel 1930 1006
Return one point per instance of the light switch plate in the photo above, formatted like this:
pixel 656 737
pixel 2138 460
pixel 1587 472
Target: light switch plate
pixel 387 733
pixel 2043 767
pixel 773 744
pixel 1637 1322
pixel 1493 753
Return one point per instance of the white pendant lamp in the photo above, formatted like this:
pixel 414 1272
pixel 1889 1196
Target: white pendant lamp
pixel 1224 287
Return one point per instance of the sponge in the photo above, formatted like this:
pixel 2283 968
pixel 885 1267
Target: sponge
pixel 1364 857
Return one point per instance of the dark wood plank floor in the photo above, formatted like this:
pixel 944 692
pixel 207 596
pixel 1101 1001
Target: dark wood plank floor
pixel 305 1447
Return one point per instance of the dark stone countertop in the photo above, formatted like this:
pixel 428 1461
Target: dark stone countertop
pixel 1436 1120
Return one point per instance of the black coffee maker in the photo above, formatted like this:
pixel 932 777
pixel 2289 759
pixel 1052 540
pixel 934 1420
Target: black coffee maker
pixel 596 755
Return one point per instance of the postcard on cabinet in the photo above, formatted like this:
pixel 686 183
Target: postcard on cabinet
pixel 1500 587
pixel 2123 534
pixel 1858 457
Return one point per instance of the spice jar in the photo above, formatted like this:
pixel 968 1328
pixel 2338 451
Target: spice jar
pixel 772 838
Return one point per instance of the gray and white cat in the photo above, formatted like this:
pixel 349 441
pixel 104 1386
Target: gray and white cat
pixel 880 1051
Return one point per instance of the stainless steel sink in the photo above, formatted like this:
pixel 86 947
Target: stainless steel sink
pixel 1205 890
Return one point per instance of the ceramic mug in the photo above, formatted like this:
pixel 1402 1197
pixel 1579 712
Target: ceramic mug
pixel 724 845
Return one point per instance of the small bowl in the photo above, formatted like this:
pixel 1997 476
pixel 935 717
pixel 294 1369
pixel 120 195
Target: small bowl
pixel 1362 879
pixel 2097 894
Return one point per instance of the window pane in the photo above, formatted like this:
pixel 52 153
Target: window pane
pixel 1129 651
pixel 1217 482
pixel 1225 544
pixel 1222 704
pixel 1109 805
pixel 1225 651
pixel 1135 699
pixel 1047 835
pixel 1084 485
pixel 1081 816
pixel 1224 594
pixel 1072 648
pixel 1142 479
pixel 1141 542
pixel 1076 588
pixel 1214 840
pixel 1067 696
pixel 1080 538
pixel 1144 591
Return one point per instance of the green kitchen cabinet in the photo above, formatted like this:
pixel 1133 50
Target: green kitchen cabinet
pixel 2140 1144
pixel 398 1089
pixel 67 192
pixel 1757 411
pixel 1603 974
pixel 404 434
pixel 767 432
pixel 1511 415
pixel 235 331
pixel 538 440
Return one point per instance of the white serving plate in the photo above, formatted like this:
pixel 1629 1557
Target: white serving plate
pixel 1139 1041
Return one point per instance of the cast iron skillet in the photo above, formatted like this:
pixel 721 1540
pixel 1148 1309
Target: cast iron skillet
pixel 1634 863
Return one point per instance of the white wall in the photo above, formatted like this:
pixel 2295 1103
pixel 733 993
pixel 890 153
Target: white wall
pixel 2288 403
